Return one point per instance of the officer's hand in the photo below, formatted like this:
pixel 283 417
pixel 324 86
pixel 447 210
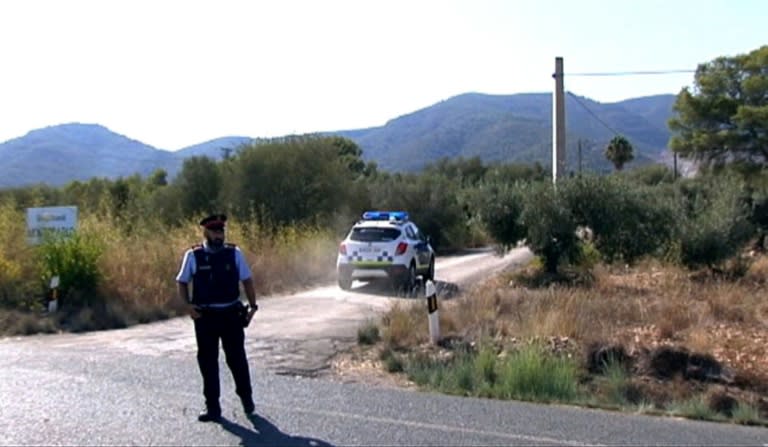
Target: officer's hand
pixel 192 310
pixel 248 316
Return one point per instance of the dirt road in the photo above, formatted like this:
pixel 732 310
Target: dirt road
pixel 293 334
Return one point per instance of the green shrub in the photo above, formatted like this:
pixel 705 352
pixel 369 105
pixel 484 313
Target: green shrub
pixel 528 374
pixel 74 259
pixel 499 206
pixel 693 408
pixel 368 334
pixel 651 175
pixel 589 256
pixel 628 220
pixel 617 381
pixel 423 370
pixel 746 414
pixel 714 221
pixel 550 225
pixel 392 362
pixel 485 365
pixel 532 374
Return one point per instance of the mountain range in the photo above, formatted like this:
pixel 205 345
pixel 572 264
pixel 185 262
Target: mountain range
pixel 505 128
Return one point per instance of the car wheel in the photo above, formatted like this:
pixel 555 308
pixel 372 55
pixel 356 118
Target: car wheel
pixel 431 271
pixel 345 282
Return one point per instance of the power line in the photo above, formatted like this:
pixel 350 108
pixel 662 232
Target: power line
pixel 617 73
pixel 592 113
pixel 631 73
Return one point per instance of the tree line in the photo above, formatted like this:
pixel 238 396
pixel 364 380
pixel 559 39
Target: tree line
pixel 721 124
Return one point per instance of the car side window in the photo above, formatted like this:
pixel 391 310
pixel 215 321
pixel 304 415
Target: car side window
pixel 418 234
pixel 409 231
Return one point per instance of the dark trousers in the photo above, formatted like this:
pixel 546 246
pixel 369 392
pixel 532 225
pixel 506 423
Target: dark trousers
pixel 209 328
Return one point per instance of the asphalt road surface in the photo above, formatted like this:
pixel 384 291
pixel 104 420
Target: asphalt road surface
pixel 141 386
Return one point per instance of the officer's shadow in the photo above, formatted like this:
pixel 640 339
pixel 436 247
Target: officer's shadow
pixel 265 433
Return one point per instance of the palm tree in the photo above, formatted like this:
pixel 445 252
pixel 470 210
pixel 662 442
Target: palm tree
pixel 619 152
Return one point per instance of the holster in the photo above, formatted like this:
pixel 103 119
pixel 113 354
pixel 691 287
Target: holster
pixel 244 312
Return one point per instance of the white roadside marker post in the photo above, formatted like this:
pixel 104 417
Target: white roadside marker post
pixel 54 303
pixel 434 319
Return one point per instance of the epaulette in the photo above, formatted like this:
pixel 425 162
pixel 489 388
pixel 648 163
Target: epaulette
pixel 196 247
pixel 230 245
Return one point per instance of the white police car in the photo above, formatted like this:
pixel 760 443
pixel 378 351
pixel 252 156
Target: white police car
pixel 385 244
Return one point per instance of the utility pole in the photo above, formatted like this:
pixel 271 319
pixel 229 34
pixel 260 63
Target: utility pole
pixel 558 123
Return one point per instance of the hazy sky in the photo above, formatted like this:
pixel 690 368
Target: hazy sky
pixel 175 73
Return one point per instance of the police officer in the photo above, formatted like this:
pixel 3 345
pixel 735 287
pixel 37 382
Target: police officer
pixel 216 270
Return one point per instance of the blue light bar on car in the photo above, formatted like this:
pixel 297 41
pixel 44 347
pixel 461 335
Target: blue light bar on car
pixel 385 215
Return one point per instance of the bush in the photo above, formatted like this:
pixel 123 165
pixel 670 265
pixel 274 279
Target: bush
pixel 746 414
pixel 529 374
pixel 392 363
pixel 628 220
pixel 693 408
pixel 550 225
pixel 714 221
pixel 74 260
pixel 654 174
pixel 368 334
pixel 589 256
pixel 499 206
pixel 532 374
pixel 10 276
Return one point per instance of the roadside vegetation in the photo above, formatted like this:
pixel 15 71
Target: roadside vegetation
pixel 290 202
pixel 652 338
pixel 646 293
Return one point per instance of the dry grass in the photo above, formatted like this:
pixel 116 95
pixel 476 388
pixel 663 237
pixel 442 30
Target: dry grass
pixel 641 309
pixel 138 268
pixel 399 326
pixel 288 260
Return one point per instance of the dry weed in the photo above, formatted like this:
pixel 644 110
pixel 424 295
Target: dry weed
pixel 758 271
pixel 642 308
pixel 404 326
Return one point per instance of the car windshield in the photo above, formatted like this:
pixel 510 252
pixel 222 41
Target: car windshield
pixel 374 234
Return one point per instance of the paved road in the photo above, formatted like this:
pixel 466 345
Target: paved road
pixel 106 396
pixel 140 386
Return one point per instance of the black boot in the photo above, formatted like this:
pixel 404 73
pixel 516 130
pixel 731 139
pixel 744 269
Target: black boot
pixel 210 415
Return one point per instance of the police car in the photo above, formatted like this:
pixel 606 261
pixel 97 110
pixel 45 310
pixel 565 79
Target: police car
pixel 385 244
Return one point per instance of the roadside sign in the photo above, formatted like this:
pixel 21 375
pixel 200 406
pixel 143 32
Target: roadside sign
pixel 61 219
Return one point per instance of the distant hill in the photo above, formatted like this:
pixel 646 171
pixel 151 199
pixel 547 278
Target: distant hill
pixel 215 148
pixel 58 154
pixel 509 128
pixel 516 128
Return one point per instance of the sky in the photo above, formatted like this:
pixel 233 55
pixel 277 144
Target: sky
pixel 174 73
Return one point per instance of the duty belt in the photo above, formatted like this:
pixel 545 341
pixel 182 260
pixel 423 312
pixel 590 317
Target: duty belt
pixel 219 306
